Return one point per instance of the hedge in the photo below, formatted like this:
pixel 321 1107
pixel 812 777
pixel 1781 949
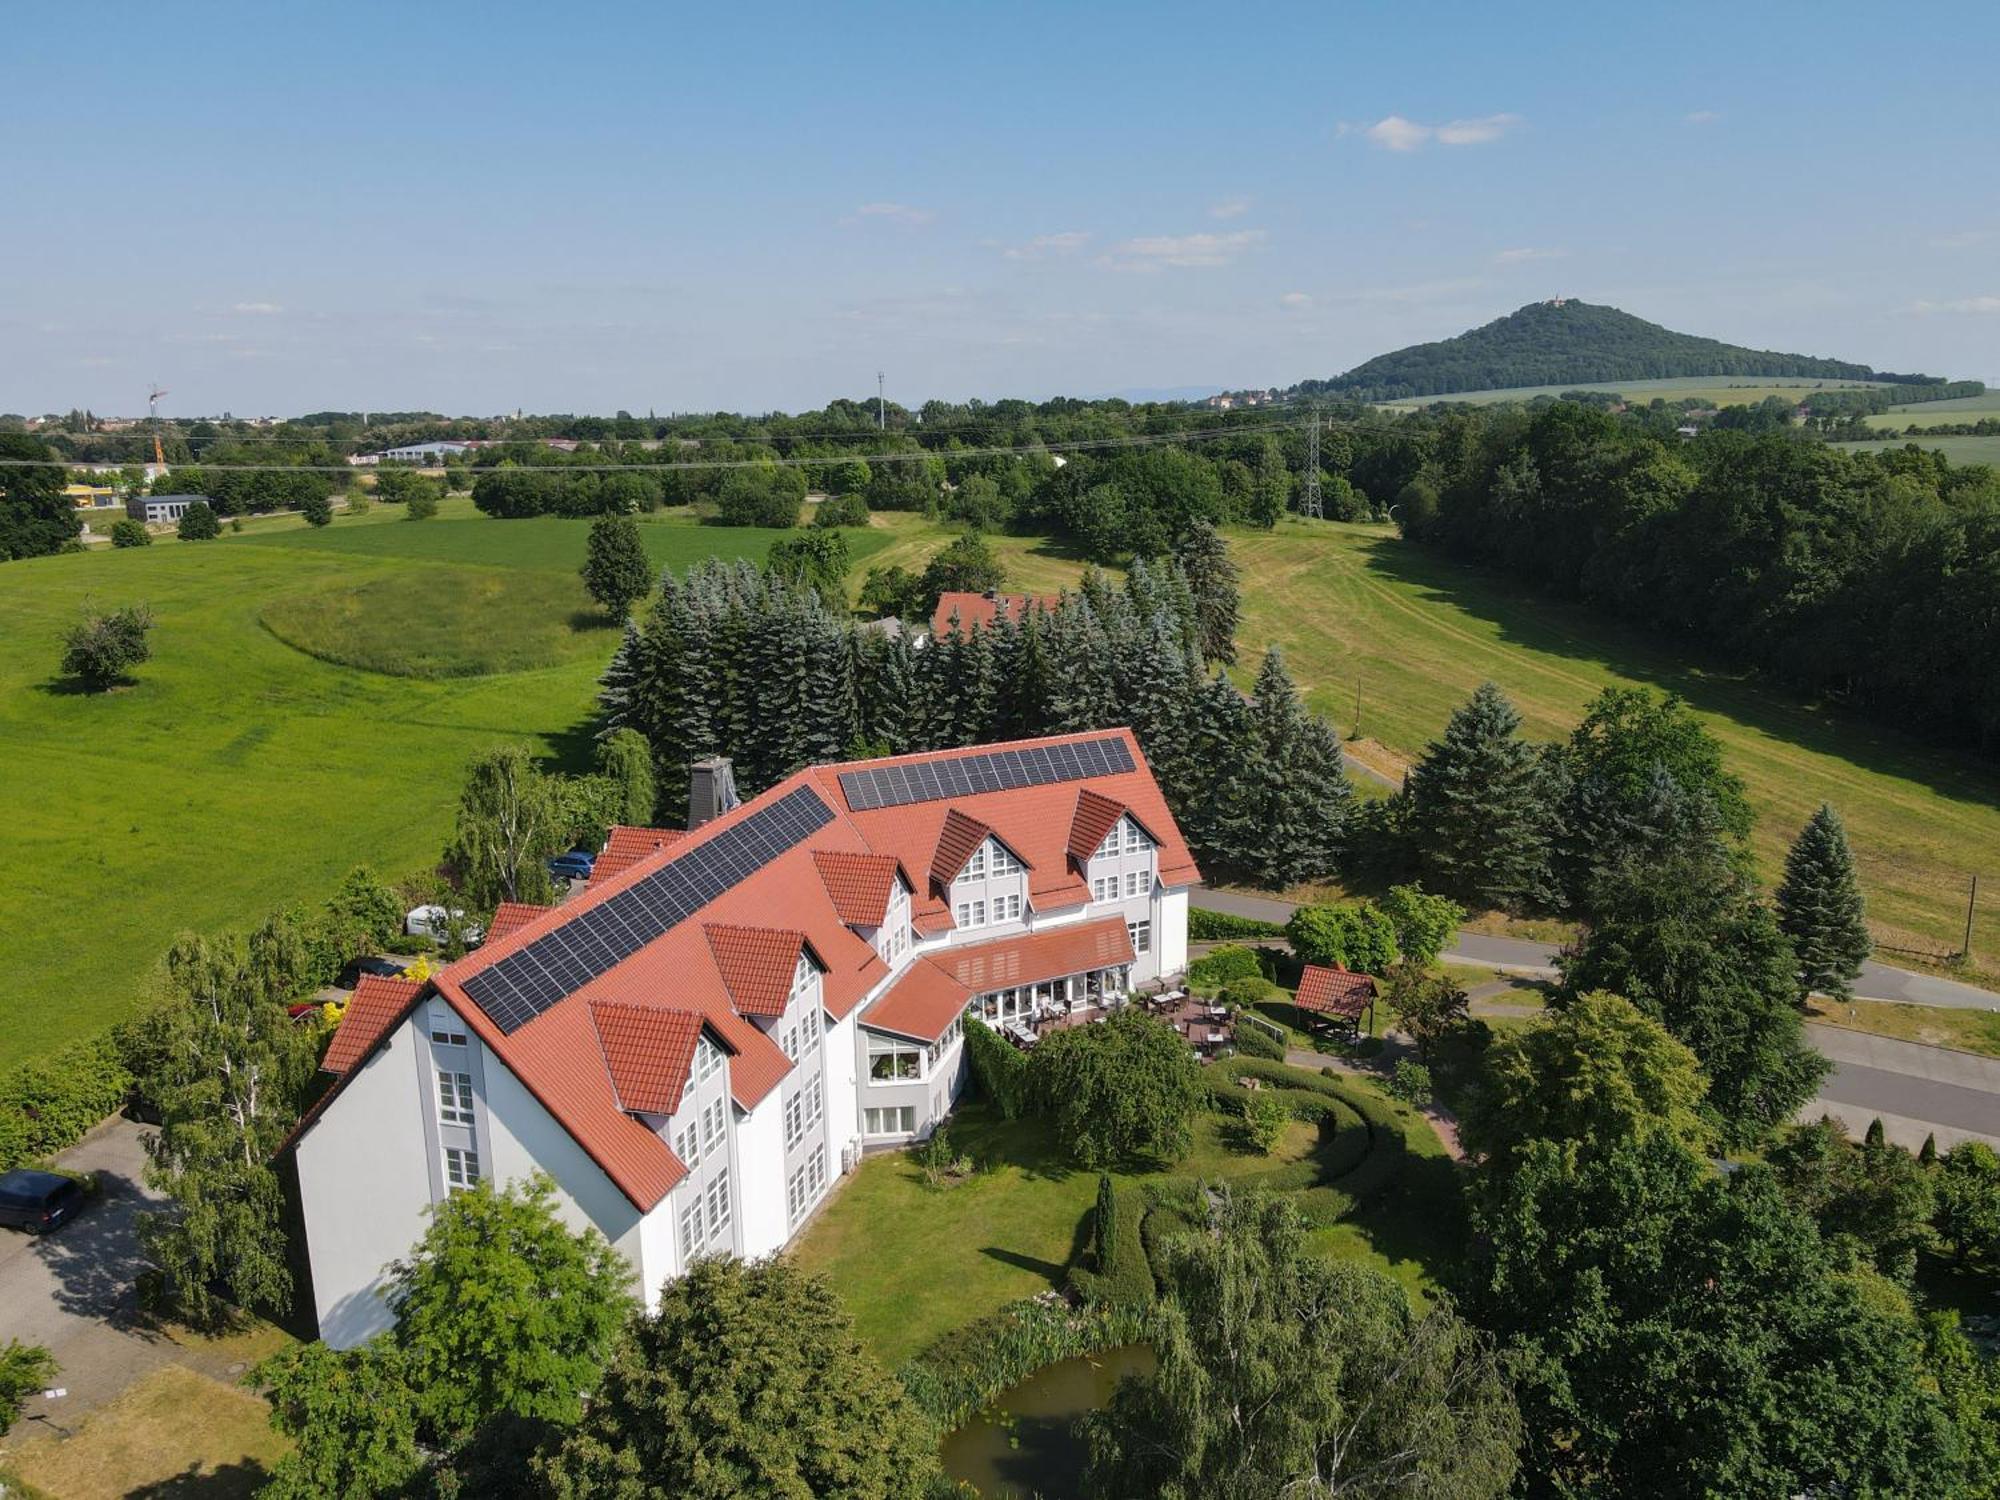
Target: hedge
pixel 50 1103
pixel 1221 927
pixel 1254 1041
pixel 1224 965
pixel 963 1371
pixel 1000 1069
pixel 1125 1279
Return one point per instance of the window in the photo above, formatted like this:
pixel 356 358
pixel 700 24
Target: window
pixel 1109 847
pixel 816 1099
pixel 691 1235
pixel 1142 936
pixel 454 1097
pixel 816 1172
pixel 447 1036
pixel 1004 862
pixel 889 1062
pixel 1007 908
pixel 791 1043
pixel 1103 887
pixel 712 1122
pixel 461 1168
pixel 809 1025
pixel 949 1037
pixel 1132 879
pixel 975 867
pixel 795 1196
pixel 707 1058
pixel 687 1144
pixel 718 1208
pixel 1135 841
pixel 971 914
pixel 802 974
pixel 795 1120
pixel 900 1121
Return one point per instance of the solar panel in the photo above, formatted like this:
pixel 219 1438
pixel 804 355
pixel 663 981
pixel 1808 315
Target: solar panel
pixel 991 771
pixel 563 960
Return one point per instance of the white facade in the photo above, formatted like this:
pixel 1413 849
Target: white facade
pixel 432 1109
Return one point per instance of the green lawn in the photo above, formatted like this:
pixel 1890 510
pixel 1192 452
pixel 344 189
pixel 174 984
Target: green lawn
pixel 240 773
pixel 1925 413
pixel 912 1261
pixel 1960 450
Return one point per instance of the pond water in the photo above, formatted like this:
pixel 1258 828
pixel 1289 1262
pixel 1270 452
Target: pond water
pixel 1022 1446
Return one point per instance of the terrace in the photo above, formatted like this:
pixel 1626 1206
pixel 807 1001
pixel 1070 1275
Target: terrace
pixel 1209 1028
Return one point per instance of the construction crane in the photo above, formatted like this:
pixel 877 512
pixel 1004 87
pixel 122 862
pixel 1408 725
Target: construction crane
pixel 153 394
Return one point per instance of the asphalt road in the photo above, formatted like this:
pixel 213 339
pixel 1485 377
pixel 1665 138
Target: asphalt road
pixel 1914 1090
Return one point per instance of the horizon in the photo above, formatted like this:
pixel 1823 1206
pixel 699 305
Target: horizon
pixel 451 211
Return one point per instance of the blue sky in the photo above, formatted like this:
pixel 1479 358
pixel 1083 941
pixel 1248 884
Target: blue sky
pixel 277 208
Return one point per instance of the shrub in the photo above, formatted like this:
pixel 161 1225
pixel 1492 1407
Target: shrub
pixel 1221 927
pixel 1217 969
pixel 761 495
pixel 130 533
pixel 50 1103
pixel 317 509
pixel 423 504
pixel 198 523
pixel 999 1068
pixel 1265 1116
pixel 969 1366
pixel 1356 937
pixel 1253 1040
pixel 102 650
pixel 1411 1083
pixel 842 510
pixel 357 503
pixel 24 1369
pixel 1122 1276
pixel 1423 923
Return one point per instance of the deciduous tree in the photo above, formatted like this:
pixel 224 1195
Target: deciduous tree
pixel 36 517
pixel 616 571
pixel 511 821
pixel 198 523
pixel 101 650
pixel 1122 1091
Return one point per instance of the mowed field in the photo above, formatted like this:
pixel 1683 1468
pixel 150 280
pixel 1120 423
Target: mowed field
pixel 1717 390
pixel 1960 450
pixel 240 773
pixel 1355 609
pixel 1925 413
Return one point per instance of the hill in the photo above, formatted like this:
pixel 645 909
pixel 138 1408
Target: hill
pixel 1564 341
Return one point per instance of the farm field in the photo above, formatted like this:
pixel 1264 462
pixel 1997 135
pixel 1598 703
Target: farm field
pixel 239 773
pixel 1354 610
pixel 1960 450
pixel 1717 390
pixel 1923 413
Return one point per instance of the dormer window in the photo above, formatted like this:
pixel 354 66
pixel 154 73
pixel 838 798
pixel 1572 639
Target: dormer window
pixel 1135 840
pixel 1004 863
pixel 802 973
pixel 975 867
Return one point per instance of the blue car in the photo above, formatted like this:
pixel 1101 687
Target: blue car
pixel 575 865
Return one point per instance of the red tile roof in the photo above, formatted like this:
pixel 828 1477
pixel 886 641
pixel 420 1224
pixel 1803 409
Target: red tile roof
pixel 757 965
pixel 1095 817
pixel 559 1056
pixel 648 1051
pixel 940 985
pixel 378 1004
pixel 1334 992
pixel 957 838
pixel 625 846
pixel 859 885
pixel 511 915
pixel 974 610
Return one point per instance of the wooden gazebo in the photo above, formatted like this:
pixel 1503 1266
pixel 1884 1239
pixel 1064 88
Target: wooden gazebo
pixel 1337 997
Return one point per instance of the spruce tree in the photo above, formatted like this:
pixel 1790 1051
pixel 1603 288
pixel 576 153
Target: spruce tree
pixel 1299 792
pixel 615 689
pixel 1478 809
pixel 1820 907
pixel 1215 584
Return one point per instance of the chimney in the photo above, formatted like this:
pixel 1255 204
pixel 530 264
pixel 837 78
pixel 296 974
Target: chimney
pixel 711 790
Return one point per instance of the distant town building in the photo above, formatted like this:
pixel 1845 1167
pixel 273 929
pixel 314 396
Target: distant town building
pixel 90 496
pixel 158 510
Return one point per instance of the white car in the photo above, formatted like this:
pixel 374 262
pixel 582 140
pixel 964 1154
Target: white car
pixel 435 923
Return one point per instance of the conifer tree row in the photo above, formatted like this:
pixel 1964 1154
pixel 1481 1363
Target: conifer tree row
pixel 731 660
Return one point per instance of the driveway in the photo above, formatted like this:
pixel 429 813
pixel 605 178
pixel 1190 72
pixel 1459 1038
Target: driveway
pixel 74 1290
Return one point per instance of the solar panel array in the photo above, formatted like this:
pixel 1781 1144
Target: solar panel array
pixel 994 771
pixel 528 981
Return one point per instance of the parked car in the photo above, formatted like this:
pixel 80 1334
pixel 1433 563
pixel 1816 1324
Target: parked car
pixel 575 865
pixel 434 922
pixel 382 968
pixel 37 1201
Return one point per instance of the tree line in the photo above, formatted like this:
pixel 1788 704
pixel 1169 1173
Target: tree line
pixel 1866 578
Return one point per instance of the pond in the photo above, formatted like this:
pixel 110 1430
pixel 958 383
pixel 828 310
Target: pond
pixel 1022 1446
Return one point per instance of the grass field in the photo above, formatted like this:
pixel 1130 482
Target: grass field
pixel 1929 1025
pixel 1960 450
pixel 1716 390
pixel 239 774
pixel 1924 413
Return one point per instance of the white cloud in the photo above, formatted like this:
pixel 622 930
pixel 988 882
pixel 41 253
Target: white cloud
pixel 1703 116
pixel 1154 252
pixel 1960 305
pixel 1527 253
pixel 1229 208
pixel 1298 300
pixel 260 309
pixel 1395 133
pixel 900 213
pixel 1068 242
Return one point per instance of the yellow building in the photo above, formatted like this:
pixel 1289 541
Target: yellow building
pixel 90 496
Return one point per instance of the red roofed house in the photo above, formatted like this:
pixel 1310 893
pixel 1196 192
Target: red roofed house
pixel 972 610
pixel 695 1046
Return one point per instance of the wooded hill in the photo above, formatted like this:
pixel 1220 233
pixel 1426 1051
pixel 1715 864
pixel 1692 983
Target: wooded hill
pixel 1565 341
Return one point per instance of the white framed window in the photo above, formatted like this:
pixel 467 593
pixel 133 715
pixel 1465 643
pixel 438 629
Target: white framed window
pixel 891 1062
pixel 1135 841
pixel 795 1120
pixel 1132 879
pixel 461 1168
pixel 1142 936
pixel 1110 845
pixel 447 1030
pixel 947 1039
pixel 791 1043
pixel 1104 888
pixel 901 1120
pixel 454 1097
pixel 802 973
pixel 795 1196
pixel 816 1172
pixel 691 1235
pixel 718 1209
pixel 707 1058
pixel 971 914
pixel 816 1099
pixel 809 1025
pixel 687 1143
pixel 975 867
pixel 1004 862
pixel 712 1121
pixel 1007 908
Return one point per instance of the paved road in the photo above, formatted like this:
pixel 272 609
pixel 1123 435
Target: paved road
pixel 1914 1090
pixel 74 1291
